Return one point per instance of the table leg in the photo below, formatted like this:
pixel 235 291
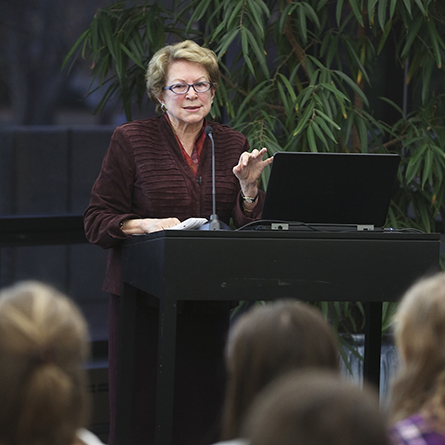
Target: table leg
pixel 125 365
pixel 373 342
pixel 166 373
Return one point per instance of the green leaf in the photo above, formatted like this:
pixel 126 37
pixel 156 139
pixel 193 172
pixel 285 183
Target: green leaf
pixel 245 46
pixel 383 5
pixel 259 53
pixel 362 134
pixel 371 10
pixel 356 10
pixel 353 52
pixel 385 35
pixel 303 27
pixel 131 56
pixel 264 7
pixel 353 85
pixel 338 94
pixel 226 41
pixel 311 139
pixel 414 163
pixel 304 96
pixel 333 45
pixel 426 78
pixel 435 41
pixel 393 104
pixel 288 105
pixel 339 11
pixel 198 13
pixel 327 119
pixel 258 88
pixel 413 31
pixel 321 4
pixel 83 37
pixel 408 6
pixel 234 16
pixel 289 88
pixel 320 134
pixel 304 119
pixel 287 11
pixel 427 168
pixel 392 9
pixel 347 127
pixel 324 126
pixel 420 5
pixel 255 14
pixel 311 13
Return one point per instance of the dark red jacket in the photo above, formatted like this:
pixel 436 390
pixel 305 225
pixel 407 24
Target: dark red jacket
pixel 144 175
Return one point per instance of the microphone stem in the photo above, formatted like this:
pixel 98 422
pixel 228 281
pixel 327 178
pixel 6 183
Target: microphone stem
pixel 214 223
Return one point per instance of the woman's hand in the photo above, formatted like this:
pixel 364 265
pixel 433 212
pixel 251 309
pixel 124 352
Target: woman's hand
pixel 249 169
pixel 147 225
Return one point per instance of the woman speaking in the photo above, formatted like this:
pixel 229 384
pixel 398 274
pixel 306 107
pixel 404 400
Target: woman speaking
pixel 156 173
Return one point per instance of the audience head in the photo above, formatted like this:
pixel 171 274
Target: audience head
pixel 43 345
pixel 315 408
pixel 419 328
pixel 266 342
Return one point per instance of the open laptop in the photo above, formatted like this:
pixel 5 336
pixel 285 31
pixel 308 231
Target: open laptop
pixel 330 190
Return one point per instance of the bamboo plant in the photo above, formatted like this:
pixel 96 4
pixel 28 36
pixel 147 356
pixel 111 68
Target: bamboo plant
pixel 303 76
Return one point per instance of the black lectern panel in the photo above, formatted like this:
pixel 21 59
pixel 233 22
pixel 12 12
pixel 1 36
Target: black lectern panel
pixel 371 267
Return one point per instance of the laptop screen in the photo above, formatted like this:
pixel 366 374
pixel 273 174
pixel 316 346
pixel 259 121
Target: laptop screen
pixel 330 188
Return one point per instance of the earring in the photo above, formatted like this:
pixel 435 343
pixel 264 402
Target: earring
pixel 163 108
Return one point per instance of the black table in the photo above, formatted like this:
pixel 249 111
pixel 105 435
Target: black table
pixel 370 267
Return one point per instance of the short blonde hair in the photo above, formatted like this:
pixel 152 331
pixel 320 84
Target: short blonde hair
pixel 188 50
pixel 43 346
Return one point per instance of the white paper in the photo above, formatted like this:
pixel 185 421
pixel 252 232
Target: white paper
pixel 189 224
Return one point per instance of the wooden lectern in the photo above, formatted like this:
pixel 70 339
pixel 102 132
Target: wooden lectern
pixel 173 266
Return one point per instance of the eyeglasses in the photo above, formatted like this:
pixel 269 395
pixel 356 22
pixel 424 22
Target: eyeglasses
pixel 183 88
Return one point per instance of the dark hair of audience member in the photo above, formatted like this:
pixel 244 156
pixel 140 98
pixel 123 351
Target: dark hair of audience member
pixel 315 408
pixel 266 342
pixel 43 345
pixel 420 338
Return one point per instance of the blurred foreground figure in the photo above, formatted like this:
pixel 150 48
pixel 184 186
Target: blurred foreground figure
pixel 315 408
pixel 267 342
pixel 418 393
pixel 43 347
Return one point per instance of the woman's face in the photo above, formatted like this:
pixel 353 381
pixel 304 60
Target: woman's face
pixel 192 107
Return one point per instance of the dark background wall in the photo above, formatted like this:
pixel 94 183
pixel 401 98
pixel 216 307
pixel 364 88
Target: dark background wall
pixel 49 170
pixel 51 149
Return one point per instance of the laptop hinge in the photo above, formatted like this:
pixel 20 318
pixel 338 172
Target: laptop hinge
pixel 279 226
pixel 365 227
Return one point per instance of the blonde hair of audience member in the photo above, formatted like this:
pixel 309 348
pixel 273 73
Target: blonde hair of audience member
pixel 267 342
pixel 419 331
pixel 188 50
pixel 315 408
pixel 43 344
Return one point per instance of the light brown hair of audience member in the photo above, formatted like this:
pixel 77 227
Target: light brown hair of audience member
pixel 267 342
pixel 43 345
pixel 419 329
pixel 315 408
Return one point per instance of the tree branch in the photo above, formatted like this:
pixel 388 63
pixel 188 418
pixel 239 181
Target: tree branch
pixel 296 47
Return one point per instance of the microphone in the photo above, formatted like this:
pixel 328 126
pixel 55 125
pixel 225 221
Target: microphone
pixel 214 223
